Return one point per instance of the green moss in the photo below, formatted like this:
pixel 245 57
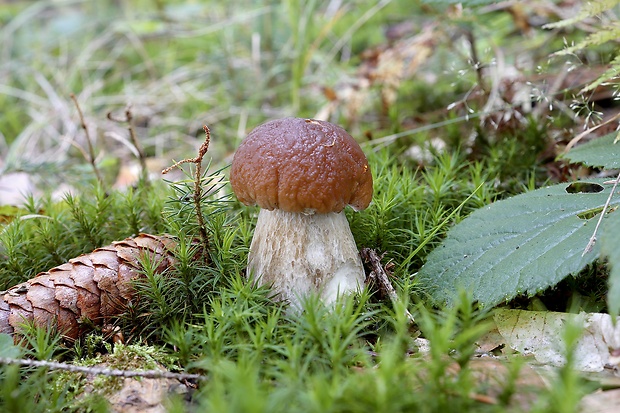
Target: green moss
pixel 183 64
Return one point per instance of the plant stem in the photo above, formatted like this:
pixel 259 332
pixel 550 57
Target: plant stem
pixel 379 275
pixel 134 141
pixel 91 152
pixel 469 34
pixel 197 197
pixel 592 240
pixel 202 229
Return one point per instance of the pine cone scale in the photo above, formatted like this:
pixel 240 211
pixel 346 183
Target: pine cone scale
pixel 67 298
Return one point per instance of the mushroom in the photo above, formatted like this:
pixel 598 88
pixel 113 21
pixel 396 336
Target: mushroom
pixel 303 173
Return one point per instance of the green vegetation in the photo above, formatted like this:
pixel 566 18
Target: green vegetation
pixel 463 114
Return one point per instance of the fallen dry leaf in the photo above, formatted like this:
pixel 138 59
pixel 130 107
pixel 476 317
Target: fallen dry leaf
pixel 539 333
pixel 144 395
pixel 385 66
pixel 493 374
pixel 601 402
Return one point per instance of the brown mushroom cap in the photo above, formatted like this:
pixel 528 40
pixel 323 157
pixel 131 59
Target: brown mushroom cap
pixel 301 165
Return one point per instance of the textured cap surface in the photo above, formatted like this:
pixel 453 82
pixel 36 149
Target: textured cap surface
pixel 301 165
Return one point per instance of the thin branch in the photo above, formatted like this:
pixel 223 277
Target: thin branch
pixel 469 35
pixel 592 240
pixel 91 151
pixel 378 275
pixel 197 187
pixel 102 371
pixel 134 141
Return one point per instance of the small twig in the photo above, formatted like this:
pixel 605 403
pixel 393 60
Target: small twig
pixel 91 152
pixel 592 240
pixel 197 187
pixel 102 371
pixel 469 34
pixel 134 141
pixel 484 398
pixel 379 275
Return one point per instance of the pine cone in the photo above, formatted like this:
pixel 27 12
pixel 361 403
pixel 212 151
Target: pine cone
pixel 94 286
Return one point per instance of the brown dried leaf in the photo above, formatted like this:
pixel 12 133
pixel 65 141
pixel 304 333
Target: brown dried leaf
pixel 601 402
pixel 493 374
pixel 386 67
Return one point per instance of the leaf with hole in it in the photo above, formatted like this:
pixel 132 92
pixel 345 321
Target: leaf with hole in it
pixel 609 248
pixel 520 245
pixel 603 151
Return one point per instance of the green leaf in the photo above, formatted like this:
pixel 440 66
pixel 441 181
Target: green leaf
pixel 9 212
pixel 609 247
pixel 7 348
pixel 520 245
pixel 598 152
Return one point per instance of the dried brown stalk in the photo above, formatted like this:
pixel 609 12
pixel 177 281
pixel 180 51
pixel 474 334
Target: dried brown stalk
pixel 475 61
pixel 94 286
pixel 379 276
pixel 90 155
pixel 198 188
pixel 134 141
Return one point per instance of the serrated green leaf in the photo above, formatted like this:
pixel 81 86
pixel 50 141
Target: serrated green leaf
pixel 610 236
pixel 601 152
pixel 520 245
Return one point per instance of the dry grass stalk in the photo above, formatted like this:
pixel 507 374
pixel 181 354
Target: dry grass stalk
pixel 197 161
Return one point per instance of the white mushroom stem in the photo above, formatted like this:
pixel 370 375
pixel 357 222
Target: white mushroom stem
pixel 298 254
